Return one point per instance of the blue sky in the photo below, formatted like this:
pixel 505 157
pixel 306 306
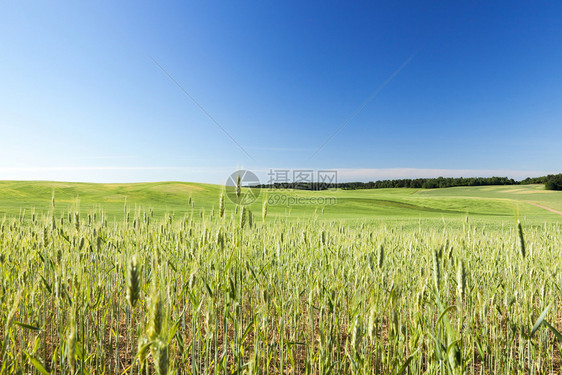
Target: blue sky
pixel 81 98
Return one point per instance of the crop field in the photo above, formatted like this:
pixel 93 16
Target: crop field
pixel 490 204
pixel 170 278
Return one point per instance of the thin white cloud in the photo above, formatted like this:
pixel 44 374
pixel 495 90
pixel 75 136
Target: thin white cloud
pixel 218 175
pixel 281 149
pixel 116 174
pixel 111 157
pixel 85 168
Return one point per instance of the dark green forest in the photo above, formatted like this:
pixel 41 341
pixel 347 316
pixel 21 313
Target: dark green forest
pixel 551 182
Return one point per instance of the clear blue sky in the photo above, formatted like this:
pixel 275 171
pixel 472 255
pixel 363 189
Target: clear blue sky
pixel 81 98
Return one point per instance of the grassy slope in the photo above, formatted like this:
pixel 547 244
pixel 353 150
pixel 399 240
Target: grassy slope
pixel 497 203
pixel 521 194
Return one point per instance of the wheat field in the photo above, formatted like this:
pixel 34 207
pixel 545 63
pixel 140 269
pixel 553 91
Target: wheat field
pixel 240 292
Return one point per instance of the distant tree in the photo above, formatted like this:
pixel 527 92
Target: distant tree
pixel 553 182
pixel 534 180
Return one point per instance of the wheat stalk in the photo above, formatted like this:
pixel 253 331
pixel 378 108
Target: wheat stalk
pixel 133 282
pixel 221 206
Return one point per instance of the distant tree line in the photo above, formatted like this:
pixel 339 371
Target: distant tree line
pixel 551 182
pixel 431 183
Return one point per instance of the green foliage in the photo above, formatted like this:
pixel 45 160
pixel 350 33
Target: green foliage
pixel 553 182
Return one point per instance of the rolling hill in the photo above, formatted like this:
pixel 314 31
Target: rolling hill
pixel 490 203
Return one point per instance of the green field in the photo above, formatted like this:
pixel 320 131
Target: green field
pixel 133 279
pixel 495 204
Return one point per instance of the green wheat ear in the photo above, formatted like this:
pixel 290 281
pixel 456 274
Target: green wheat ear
pixel 77 220
pixel 159 350
pixel 221 206
pixel 133 282
pixel 461 280
pixel 250 219
pixel 242 217
pixel 142 351
pixel 357 335
pixel 436 270
pixel 521 239
pixel 238 187
pixel 155 316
